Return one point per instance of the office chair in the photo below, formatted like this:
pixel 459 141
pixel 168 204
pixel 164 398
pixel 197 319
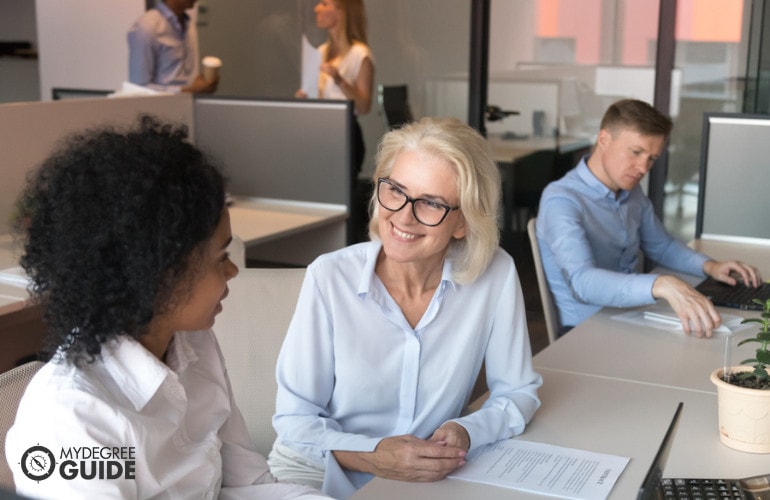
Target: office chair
pixel 393 101
pixel 250 330
pixel 13 383
pixel 549 307
pixel 531 174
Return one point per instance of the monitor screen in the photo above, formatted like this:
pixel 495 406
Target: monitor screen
pixel 732 195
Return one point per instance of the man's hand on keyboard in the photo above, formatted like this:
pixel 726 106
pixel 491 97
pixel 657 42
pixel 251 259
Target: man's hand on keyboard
pixel 733 272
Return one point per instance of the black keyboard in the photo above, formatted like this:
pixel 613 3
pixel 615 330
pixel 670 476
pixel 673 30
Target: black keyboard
pixel 698 489
pixel 737 297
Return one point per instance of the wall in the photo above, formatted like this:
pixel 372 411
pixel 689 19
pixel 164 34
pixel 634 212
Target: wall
pixel 82 43
pixel 30 131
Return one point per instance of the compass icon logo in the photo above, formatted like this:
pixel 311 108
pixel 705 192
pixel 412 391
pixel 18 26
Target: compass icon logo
pixel 38 463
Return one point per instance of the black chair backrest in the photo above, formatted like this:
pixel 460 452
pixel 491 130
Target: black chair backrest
pixel 394 104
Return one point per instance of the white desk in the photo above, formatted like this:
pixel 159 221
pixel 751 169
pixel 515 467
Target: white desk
pixel 12 298
pixel 261 220
pixel 288 232
pixel 272 230
pixel 753 253
pixel 605 347
pixel 607 416
pixel 510 150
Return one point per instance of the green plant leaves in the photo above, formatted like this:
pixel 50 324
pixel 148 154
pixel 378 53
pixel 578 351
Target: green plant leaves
pixel 763 356
pixel 763 338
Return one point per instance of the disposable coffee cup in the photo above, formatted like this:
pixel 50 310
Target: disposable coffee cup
pixel 211 65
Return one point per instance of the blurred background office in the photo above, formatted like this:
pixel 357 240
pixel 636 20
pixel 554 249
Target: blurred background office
pixel 563 60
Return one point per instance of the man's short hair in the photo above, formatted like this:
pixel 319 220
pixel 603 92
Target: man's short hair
pixel 637 115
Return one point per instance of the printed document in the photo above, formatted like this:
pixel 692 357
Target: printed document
pixel 544 469
pixel 311 68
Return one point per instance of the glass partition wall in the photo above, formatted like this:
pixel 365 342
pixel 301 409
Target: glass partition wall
pixel 560 63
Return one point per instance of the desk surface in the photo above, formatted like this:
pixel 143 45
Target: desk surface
pixel 607 347
pixel 260 220
pixel 639 417
pixel 255 220
pixel 12 298
pixel 510 150
pixel 753 253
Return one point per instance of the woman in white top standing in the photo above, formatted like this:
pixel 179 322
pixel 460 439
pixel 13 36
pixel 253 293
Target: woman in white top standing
pixel 347 67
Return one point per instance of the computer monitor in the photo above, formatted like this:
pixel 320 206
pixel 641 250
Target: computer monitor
pixel 732 194
pixel 290 149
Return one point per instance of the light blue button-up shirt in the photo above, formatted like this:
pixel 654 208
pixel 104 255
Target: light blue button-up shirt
pixel 353 371
pixel 162 53
pixel 590 241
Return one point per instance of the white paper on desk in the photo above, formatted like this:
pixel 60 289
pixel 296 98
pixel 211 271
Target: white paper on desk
pixel 311 67
pixel 14 276
pixel 663 317
pixel 543 468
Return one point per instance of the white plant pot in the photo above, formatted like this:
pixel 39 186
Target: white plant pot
pixel 744 414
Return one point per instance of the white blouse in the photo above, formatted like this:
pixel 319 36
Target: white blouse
pixel 348 68
pixel 175 425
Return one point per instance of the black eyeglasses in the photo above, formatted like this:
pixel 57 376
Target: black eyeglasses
pixel 427 212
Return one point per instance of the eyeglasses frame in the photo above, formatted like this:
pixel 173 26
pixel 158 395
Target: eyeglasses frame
pixel 409 199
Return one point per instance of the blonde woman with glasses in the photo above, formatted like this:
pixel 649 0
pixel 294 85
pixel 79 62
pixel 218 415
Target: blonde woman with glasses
pixel 389 336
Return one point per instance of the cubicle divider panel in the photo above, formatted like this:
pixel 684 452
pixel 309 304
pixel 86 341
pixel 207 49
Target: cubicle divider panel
pixel 30 131
pixel 732 194
pixel 284 149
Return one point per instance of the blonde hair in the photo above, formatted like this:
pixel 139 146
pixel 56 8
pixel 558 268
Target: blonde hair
pixel 478 184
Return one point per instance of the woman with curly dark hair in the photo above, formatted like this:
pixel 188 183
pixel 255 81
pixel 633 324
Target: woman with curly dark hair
pixel 125 241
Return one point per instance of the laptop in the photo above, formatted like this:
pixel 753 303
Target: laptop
pixel 738 297
pixel 656 487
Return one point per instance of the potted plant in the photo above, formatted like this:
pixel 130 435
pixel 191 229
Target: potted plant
pixel 743 393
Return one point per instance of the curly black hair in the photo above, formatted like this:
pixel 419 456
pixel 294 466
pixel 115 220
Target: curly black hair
pixel 110 224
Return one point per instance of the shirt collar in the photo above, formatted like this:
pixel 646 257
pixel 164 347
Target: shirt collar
pixel 594 184
pixel 367 274
pixel 138 373
pixel 171 17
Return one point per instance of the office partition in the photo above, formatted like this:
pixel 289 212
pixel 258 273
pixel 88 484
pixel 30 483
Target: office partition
pixel 733 194
pixel 273 148
pixel 29 132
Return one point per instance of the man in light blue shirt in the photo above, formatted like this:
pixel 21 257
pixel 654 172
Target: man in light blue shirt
pixel 163 50
pixel 593 222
